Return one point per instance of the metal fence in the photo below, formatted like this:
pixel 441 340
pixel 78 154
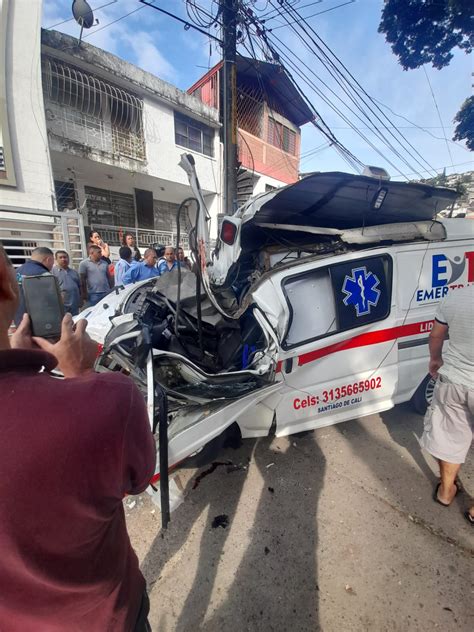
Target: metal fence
pixel 112 235
pixel 22 232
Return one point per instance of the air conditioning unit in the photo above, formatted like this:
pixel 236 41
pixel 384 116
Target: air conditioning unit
pixel 375 172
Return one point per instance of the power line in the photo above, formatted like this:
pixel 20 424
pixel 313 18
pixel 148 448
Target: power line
pixel 330 104
pixel 194 10
pixel 266 16
pixel 354 162
pixel 423 128
pixel 439 114
pixel 297 69
pixel 459 164
pixel 350 85
pixel 338 6
pixel 102 6
pixel 187 24
pixel 113 22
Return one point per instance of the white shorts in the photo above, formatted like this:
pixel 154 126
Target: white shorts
pixel 449 422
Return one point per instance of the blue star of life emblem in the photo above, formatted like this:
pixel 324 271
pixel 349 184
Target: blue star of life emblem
pixel 361 290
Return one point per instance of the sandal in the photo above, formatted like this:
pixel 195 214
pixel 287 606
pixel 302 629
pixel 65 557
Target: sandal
pixel 440 502
pixel 468 517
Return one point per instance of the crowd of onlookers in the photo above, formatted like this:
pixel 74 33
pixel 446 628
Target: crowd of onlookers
pixel 98 273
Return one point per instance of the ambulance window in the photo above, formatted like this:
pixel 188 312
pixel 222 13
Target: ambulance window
pixel 337 298
pixel 311 303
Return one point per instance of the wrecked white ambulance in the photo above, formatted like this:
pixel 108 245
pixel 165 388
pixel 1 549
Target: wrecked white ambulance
pixel 314 307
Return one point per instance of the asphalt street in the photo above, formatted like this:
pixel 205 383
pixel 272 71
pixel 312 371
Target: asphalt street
pixel 335 530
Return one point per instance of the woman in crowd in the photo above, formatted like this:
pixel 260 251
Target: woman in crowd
pixel 129 240
pixel 96 240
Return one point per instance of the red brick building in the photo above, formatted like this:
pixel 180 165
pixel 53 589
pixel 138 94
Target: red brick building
pixel 270 113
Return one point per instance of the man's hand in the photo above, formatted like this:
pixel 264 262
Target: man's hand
pixel 434 366
pixel 75 351
pixel 22 339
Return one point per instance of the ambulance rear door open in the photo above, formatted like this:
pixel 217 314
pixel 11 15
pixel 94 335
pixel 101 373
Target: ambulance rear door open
pixel 339 353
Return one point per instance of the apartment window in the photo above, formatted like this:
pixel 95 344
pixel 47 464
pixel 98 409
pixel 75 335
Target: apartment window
pixel 250 111
pixel 281 136
pixel 92 112
pixel 65 195
pixel 110 208
pixel 193 135
pixel 165 215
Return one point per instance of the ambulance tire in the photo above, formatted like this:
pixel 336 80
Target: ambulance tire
pixel 423 395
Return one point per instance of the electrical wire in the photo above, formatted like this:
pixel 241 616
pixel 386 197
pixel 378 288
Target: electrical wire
pixel 345 85
pixel 91 33
pixel 102 6
pixel 296 68
pixel 266 16
pixel 438 112
pixel 354 162
pixel 338 6
pixel 194 12
pixel 351 82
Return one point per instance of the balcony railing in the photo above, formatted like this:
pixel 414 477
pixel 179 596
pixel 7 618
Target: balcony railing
pixel 112 235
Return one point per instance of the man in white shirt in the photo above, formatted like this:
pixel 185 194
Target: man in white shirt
pixel 450 418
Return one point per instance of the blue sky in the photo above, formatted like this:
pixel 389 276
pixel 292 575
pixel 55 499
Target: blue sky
pixel 162 46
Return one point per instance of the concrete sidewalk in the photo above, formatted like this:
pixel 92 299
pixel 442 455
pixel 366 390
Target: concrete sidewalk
pixel 335 530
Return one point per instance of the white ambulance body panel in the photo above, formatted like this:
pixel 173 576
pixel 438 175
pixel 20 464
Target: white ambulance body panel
pixel 331 376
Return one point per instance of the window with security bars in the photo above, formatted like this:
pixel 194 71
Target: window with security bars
pixel 193 135
pixel 66 199
pixel 165 215
pixel 109 208
pixel 92 112
pixel 281 136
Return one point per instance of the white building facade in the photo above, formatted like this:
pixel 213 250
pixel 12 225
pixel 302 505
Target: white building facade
pixel 95 144
pixel 28 216
pixel 116 134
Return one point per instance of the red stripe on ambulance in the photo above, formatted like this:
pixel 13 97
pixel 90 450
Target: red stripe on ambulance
pixel 370 338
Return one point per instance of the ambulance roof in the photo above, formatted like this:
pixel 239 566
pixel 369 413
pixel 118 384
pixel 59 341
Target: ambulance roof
pixel 344 200
pixel 458 228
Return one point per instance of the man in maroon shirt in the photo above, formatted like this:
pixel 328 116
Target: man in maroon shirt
pixel 66 560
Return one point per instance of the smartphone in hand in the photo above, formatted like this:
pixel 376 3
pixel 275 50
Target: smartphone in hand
pixel 44 305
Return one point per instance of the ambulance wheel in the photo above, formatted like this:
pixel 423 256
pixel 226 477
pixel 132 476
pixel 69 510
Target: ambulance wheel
pixel 423 395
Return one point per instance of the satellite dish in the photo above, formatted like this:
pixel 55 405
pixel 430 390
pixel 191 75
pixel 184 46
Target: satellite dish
pixel 83 15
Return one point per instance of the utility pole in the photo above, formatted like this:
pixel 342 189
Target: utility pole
pixel 228 10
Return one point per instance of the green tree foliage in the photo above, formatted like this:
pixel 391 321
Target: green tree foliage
pixel 465 123
pixel 427 31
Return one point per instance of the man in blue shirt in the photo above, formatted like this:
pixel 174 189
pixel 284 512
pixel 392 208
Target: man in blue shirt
pixel 143 269
pixel 41 262
pixel 169 262
pixel 122 265
pixel 69 282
